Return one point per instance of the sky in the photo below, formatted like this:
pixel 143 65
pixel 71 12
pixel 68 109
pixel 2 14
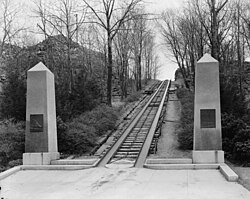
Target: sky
pixel 168 67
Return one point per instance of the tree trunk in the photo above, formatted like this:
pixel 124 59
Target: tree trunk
pixel 109 79
pixel 214 32
pixel 126 80
pixel 238 49
pixel 71 84
pixel 139 73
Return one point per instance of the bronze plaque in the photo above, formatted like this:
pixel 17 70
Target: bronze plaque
pixel 36 123
pixel 208 118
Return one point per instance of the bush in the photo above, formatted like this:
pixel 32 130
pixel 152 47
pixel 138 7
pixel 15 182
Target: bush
pixel 185 134
pixel 85 96
pixel 236 138
pixel 242 150
pixel 242 136
pixel 14 163
pixel 133 97
pixel 232 102
pixel 185 137
pixel 80 135
pixel 13 104
pixel 78 139
pixel 228 146
pixel 12 143
pixel 102 118
pixel 231 125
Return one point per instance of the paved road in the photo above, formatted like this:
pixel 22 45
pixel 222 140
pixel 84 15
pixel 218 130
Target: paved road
pixel 129 183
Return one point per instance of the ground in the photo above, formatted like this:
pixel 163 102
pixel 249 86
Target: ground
pixel 168 145
pixel 244 174
pixel 129 183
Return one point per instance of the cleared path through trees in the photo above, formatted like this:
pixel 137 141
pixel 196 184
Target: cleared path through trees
pixel 168 145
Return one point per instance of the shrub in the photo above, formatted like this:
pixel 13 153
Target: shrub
pixel 236 137
pixel 185 134
pixel 102 118
pixel 85 96
pixel 78 139
pixel 242 150
pixel 16 162
pixel 13 103
pixel 133 97
pixel 231 125
pixel 11 143
pixel 80 135
pixel 242 135
pixel 241 147
pixel 232 100
pixel 227 146
pixel 185 137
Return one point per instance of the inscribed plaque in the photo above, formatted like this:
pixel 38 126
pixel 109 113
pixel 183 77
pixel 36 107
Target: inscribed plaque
pixel 36 123
pixel 208 118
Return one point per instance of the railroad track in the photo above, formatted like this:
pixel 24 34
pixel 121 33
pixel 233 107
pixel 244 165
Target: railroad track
pixel 134 143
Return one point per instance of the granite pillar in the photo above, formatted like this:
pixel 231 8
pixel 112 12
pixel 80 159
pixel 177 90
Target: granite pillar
pixel 207 113
pixel 41 132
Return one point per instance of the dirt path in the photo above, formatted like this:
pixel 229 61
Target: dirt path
pixel 168 143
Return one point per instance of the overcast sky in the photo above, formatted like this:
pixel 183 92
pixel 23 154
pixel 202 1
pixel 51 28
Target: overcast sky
pixel 168 67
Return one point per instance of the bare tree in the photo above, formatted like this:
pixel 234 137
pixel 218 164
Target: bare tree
pixel 155 66
pixel 245 15
pixel 174 40
pixel 214 18
pixel 149 55
pixel 138 36
pixel 62 19
pixel 122 45
pixel 8 24
pixel 107 18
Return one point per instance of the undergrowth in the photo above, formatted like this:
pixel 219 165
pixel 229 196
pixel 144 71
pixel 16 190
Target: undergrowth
pixel 185 132
pixel 80 135
pixel 11 143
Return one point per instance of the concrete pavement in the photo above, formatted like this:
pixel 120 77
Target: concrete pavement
pixel 121 183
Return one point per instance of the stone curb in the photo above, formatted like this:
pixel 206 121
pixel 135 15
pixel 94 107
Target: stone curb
pixel 56 167
pixel 228 173
pixel 89 162
pixel 14 170
pixel 225 170
pixel 9 172
pixel 169 161
pixel 181 166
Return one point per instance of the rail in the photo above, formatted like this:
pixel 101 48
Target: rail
pixel 144 151
pixel 118 143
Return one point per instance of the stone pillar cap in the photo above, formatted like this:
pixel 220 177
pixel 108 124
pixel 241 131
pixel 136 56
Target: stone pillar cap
pixel 39 67
pixel 207 58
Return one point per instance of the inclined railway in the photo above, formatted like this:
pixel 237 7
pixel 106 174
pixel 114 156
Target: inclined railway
pixel 138 138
